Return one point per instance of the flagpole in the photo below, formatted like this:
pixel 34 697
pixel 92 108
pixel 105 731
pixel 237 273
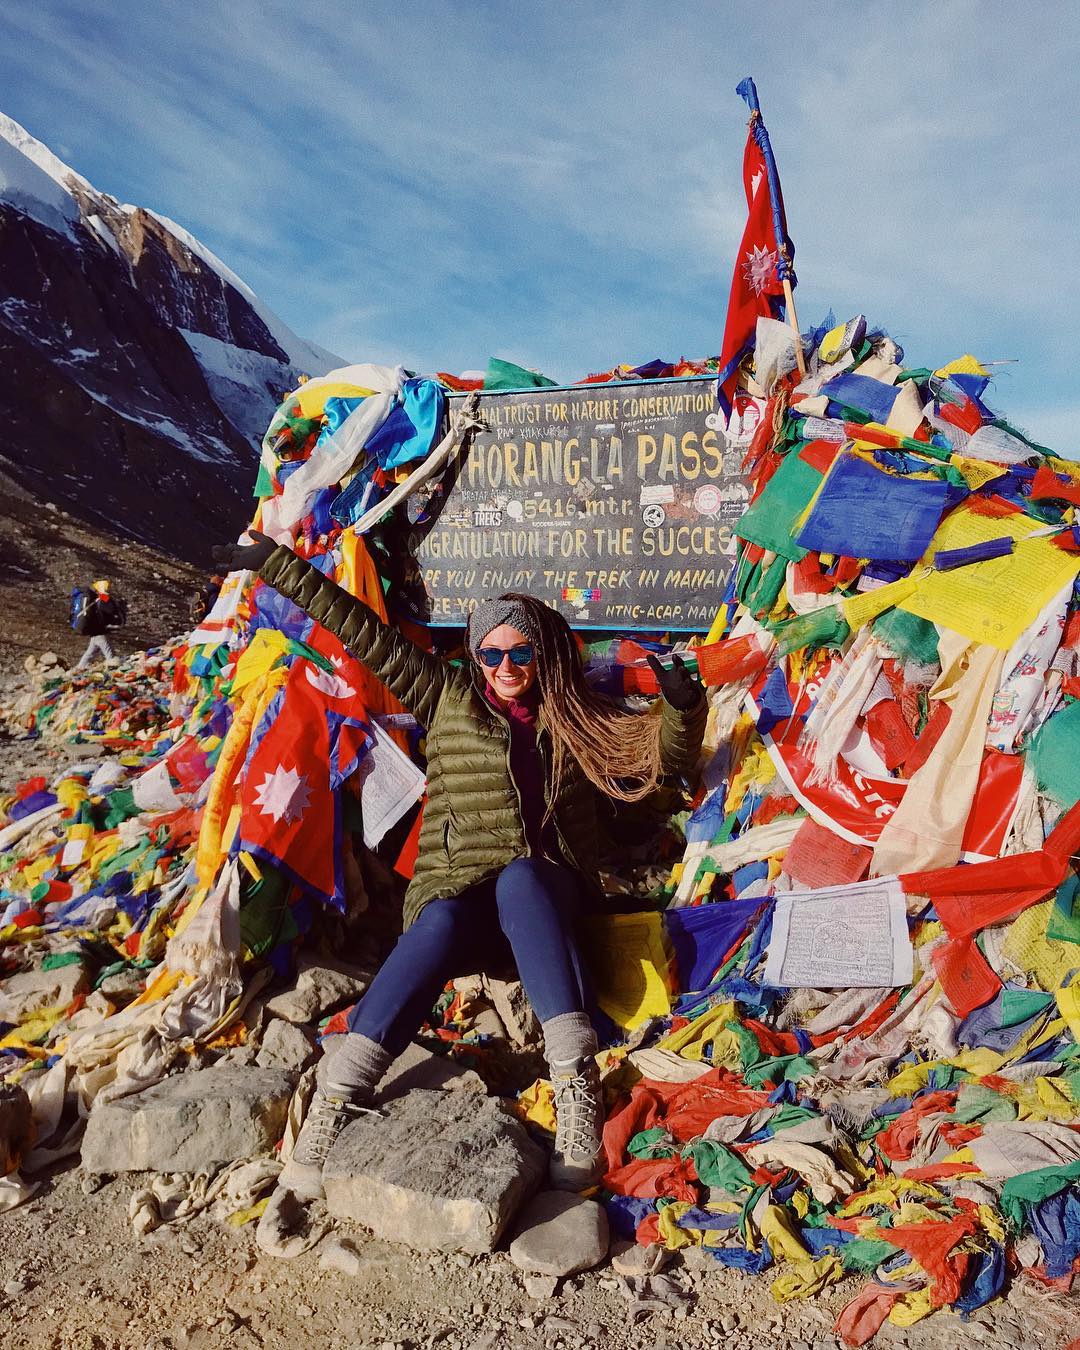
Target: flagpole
pixel 793 319
pixel 748 90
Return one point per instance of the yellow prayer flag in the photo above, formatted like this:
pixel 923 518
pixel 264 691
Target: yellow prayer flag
pixel 860 609
pixel 962 365
pixel 258 656
pixel 629 965
pixel 976 472
pixel 993 601
pixel 312 397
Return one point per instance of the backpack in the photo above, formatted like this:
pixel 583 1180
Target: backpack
pixel 115 611
pixel 81 600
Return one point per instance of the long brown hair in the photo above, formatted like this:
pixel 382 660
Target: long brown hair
pixel 618 751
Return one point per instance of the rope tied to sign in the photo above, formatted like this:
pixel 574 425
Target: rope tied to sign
pixel 463 424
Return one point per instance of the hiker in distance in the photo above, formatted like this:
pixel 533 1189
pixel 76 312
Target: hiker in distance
pixel 517 744
pixel 95 612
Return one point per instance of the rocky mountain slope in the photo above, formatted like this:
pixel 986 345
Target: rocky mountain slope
pixel 137 372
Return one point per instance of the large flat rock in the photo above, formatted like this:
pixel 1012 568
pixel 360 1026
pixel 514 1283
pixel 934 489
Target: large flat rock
pixel 190 1122
pixel 438 1171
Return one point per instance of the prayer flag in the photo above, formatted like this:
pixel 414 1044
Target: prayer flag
pixel 301 753
pixel 763 258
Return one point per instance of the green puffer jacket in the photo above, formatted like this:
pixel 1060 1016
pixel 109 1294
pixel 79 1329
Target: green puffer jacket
pixel 472 822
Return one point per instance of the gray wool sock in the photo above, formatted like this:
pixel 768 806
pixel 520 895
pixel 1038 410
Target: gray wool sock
pixel 568 1038
pixel 353 1065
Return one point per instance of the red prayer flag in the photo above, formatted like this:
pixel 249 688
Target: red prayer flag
pixel 965 975
pixel 301 753
pixel 756 288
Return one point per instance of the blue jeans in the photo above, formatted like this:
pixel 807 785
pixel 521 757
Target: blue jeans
pixel 523 914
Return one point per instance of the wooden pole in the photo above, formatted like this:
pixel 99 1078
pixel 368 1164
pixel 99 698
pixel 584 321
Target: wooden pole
pixel 793 319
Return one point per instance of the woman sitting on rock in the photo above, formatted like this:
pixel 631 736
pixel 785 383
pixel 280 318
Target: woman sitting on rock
pixel 516 744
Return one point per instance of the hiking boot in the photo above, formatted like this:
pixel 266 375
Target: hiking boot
pixel 578 1161
pixel 330 1111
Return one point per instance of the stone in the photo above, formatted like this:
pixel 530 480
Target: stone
pixel 434 1170
pixel 15 1126
pixel 32 990
pixel 636 1261
pixel 340 1254
pixel 189 1122
pixel 510 1001
pixel 559 1233
pixel 419 1067
pixel 320 987
pixel 124 985
pixel 540 1287
pixel 285 1046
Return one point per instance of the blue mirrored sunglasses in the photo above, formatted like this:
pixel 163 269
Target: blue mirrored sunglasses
pixel 521 655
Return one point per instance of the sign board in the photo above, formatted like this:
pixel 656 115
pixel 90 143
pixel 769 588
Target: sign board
pixel 614 503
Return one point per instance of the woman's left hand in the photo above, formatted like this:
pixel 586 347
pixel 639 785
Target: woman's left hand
pixel 677 685
pixel 245 557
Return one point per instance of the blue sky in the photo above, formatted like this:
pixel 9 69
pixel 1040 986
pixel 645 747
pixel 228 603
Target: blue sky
pixel 559 184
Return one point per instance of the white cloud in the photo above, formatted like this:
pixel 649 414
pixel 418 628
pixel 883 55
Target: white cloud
pixel 438 182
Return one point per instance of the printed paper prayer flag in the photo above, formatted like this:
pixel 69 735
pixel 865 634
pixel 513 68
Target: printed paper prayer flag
pixel 841 937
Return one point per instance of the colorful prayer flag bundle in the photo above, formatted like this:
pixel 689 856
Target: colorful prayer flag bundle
pixel 879 996
pixel 843 1032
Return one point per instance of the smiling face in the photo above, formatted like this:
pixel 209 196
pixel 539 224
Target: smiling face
pixel 507 679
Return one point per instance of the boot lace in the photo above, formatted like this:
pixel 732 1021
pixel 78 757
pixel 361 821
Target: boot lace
pixel 326 1119
pixel 577 1115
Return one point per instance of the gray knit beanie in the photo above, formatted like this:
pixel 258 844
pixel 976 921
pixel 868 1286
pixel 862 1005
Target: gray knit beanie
pixel 489 614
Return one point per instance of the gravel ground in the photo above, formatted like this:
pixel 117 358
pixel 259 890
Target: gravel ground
pixel 73 1275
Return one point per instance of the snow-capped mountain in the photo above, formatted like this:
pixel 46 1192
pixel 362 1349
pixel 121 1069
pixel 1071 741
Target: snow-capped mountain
pixel 137 372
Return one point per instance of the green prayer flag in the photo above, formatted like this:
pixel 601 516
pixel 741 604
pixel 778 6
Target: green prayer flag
pixel 976 1102
pixel 824 627
pixel 780 1069
pixel 654 1143
pixel 718 1166
pixel 1017 1005
pixel 1064 922
pixel 865 1254
pixel 770 520
pixel 907 636
pixel 506 375
pixel 1031 1188
pixel 55 960
pixel 1054 754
